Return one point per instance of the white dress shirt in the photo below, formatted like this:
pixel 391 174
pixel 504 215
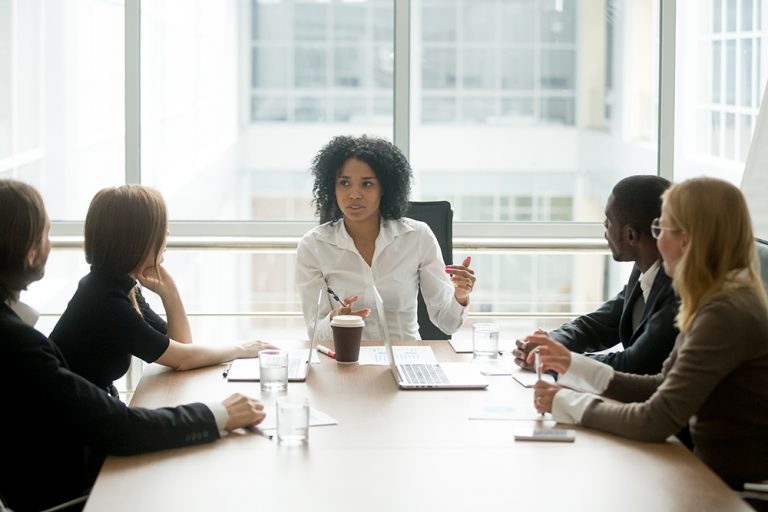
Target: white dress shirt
pixel 647 278
pixel 585 374
pixel 407 255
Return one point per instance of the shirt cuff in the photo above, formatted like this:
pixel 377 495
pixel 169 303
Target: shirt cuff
pixel 568 406
pixel 586 374
pixel 220 414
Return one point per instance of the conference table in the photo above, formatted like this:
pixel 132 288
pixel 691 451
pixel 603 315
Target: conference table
pixel 399 450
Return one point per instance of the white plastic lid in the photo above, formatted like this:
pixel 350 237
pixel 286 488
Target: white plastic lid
pixel 347 321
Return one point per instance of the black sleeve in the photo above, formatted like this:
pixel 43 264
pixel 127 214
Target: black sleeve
pixel 152 318
pixel 84 412
pixel 595 331
pixel 653 345
pixel 132 332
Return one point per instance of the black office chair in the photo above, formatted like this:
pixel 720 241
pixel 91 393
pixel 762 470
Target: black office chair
pixel 439 217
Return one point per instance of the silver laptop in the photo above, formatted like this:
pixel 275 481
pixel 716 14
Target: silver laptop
pixel 427 375
pixel 299 360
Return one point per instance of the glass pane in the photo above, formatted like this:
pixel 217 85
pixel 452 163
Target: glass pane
pixel 746 15
pixel 713 128
pixel 349 22
pixel 6 73
pixel 746 73
pixel 745 136
pixel 479 69
pixel 717 15
pixel 309 21
pixel 438 21
pixel 270 67
pixel 717 73
pixel 231 138
pixel 349 67
pixel 475 21
pixel 62 99
pixel 517 69
pixel 729 137
pixel 558 69
pixel 730 72
pixel 438 68
pixel 730 7
pixel 545 95
pixel 516 17
pixel 558 20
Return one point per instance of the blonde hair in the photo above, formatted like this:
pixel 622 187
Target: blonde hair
pixel 124 226
pixel 721 253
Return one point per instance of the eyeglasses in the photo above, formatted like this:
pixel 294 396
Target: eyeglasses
pixel 657 228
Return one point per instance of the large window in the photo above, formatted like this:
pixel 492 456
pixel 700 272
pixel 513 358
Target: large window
pixel 721 69
pixel 516 111
pixel 530 110
pixel 61 99
pixel 237 97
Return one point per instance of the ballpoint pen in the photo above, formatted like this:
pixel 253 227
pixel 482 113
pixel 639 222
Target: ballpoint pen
pixel 325 350
pixel 537 365
pixel 256 430
pixel 333 294
pixel 226 370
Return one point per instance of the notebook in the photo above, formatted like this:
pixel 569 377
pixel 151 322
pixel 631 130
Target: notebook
pixel 299 361
pixel 416 375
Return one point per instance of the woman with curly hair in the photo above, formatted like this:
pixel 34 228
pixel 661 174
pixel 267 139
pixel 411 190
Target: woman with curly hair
pixel 716 378
pixel 361 191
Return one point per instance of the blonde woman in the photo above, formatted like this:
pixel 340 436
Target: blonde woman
pixel 108 321
pixel 716 378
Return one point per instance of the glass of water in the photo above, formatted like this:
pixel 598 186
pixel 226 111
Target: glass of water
pixel 273 370
pixel 485 341
pixel 292 420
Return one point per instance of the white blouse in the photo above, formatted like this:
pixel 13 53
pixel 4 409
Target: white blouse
pixel 407 255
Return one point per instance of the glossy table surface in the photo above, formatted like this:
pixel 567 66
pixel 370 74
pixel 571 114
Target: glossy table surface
pixel 399 450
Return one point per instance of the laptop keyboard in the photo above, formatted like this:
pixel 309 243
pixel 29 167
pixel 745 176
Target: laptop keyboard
pixel 423 374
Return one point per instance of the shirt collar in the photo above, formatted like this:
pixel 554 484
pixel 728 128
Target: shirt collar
pixel 28 314
pixel 390 229
pixel 647 278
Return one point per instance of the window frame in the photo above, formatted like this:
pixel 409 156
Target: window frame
pixel 476 235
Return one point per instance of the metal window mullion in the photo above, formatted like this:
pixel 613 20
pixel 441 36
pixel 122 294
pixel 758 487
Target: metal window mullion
pixel 133 91
pixel 401 95
pixel 666 141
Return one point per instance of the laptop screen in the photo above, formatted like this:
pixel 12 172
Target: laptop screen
pixel 379 302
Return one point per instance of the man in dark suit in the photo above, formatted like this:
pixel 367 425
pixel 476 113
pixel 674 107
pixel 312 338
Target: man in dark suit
pixel 56 427
pixel 641 317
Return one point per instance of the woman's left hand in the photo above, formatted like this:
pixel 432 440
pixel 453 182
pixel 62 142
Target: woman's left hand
pixel 463 279
pixel 158 280
pixel 543 396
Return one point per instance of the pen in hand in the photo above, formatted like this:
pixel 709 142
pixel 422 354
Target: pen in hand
pixel 336 297
pixel 537 365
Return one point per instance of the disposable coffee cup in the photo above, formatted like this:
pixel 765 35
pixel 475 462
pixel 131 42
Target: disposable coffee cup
pixel 347 333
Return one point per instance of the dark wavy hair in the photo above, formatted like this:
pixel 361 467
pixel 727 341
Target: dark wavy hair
pixel 387 161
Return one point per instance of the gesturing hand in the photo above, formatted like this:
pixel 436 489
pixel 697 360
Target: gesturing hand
pixel 346 309
pixel 463 279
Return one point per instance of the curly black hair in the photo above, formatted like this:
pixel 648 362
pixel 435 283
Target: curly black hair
pixel 387 161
